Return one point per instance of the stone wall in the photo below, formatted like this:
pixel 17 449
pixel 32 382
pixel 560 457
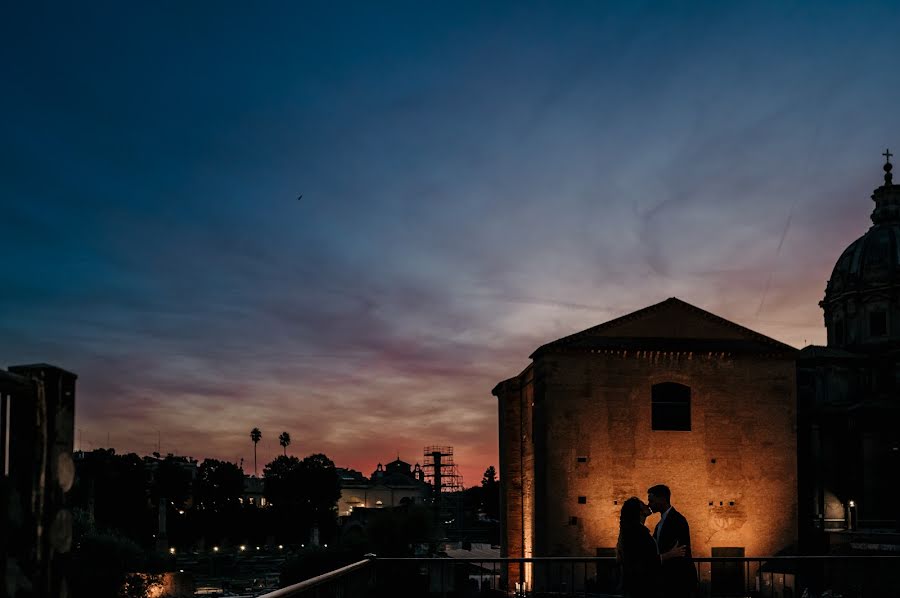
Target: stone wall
pixel 734 475
pixel 515 399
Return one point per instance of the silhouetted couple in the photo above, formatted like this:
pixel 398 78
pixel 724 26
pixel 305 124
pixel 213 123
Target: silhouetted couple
pixel 658 565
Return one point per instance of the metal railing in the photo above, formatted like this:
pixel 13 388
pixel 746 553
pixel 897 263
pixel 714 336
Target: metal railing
pixel 353 580
pixel 753 577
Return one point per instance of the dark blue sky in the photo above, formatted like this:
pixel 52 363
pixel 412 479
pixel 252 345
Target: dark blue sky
pixel 477 179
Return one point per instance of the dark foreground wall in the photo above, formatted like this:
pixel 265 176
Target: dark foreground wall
pixel 37 403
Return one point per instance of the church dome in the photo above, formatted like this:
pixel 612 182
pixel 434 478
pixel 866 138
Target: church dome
pixel 871 260
pixel 862 298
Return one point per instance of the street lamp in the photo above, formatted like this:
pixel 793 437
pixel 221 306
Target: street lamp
pixel 851 515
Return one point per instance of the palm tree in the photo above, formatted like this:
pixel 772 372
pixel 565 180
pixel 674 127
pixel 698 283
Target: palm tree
pixel 284 440
pixel 255 436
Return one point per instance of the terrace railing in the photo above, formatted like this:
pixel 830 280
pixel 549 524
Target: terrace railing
pixel 761 577
pixel 356 579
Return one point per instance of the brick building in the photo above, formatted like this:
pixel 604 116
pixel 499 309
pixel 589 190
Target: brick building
pixel 764 447
pixel 668 394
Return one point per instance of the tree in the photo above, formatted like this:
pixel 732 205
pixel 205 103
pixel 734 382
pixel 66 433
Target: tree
pixel 283 488
pixel 284 439
pixel 303 493
pixel 112 491
pixel 172 481
pixel 490 476
pixel 282 482
pixel 490 493
pixel 322 488
pixel 220 484
pixel 255 436
pixel 102 563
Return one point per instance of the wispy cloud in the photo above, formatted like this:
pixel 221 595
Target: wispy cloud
pixel 475 183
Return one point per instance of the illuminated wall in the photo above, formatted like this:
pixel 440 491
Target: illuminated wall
pixel 516 399
pixel 376 496
pixel 576 437
pixel 733 475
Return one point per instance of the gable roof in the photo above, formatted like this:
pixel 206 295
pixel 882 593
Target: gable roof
pixel 671 325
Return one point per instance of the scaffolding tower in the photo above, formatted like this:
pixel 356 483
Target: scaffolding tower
pixel 440 471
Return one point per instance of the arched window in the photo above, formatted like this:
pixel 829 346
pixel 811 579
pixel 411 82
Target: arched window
pixel 671 408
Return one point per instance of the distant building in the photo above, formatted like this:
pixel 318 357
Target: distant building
pixel 848 395
pixel 393 485
pixel 350 476
pixel 254 491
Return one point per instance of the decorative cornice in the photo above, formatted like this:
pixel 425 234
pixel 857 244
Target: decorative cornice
pixel 672 301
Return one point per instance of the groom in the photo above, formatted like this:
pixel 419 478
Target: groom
pixel 679 578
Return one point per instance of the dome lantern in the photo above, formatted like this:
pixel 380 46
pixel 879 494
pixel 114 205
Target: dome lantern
pixel 887 197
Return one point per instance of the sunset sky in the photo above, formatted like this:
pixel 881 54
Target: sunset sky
pixel 477 178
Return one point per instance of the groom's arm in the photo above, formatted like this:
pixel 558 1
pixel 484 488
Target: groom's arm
pixel 683 535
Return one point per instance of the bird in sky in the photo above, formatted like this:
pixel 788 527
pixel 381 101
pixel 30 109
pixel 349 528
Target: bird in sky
pixel 299 197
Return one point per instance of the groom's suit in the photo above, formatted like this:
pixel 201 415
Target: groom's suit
pixel 679 578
